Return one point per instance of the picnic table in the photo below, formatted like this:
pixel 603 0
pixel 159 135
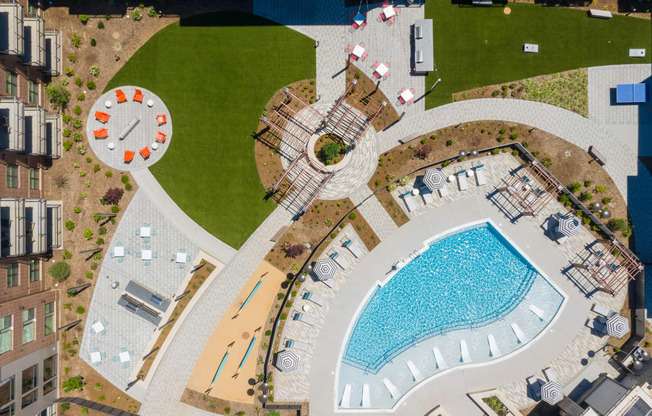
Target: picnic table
pixel 124 357
pixel 145 232
pixel 382 70
pixel 147 254
pixel 407 95
pixel 181 257
pixel 96 357
pixel 98 327
pixel 119 251
pixel 358 51
pixel 389 11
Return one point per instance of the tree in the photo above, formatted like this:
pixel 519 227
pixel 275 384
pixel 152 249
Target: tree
pixel 59 271
pixel 329 152
pixel 295 250
pixel 112 196
pixel 58 95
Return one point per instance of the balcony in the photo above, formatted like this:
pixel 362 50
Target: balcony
pixel 53 134
pixel 34 41
pixel 11 29
pixel 36 224
pixel 12 227
pixel 53 65
pixel 54 225
pixel 36 140
pixel 12 124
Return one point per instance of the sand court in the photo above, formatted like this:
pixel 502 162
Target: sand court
pixel 235 336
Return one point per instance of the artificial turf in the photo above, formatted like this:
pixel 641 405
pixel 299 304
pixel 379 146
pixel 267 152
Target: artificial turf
pixel 216 73
pixel 480 46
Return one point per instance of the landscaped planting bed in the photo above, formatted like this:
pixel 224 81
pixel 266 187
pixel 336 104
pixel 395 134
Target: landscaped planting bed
pixel 366 91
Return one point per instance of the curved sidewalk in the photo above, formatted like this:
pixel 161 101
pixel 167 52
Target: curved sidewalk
pixel 582 132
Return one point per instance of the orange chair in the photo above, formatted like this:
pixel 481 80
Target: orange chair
pixel 129 156
pixel 138 96
pixel 144 152
pixel 101 133
pixel 161 118
pixel 120 96
pixel 160 137
pixel 103 117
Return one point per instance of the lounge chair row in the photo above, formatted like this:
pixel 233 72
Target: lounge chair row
pixel 144 152
pixel 103 117
pixel 103 133
pixel 535 384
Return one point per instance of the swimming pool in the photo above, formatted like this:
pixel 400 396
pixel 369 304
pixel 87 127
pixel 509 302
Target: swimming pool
pixel 468 278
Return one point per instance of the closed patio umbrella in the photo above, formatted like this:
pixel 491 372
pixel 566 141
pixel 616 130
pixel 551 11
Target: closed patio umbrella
pixel 617 326
pixel 568 225
pixel 551 392
pixel 287 361
pixel 325 268
pixel 434 179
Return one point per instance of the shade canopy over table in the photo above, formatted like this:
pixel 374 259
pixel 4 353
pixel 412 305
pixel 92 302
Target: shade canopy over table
pixel 389 11
pixel 119 251
pixel 181 257
pixel 617 326
pixel 96 357
pixel 325 269
pixel 97 327
pixel 552 392
pixel 124 357
pixel 434 179
pixel 145 232
pixel 359 18
pixel 568 225
pixel 147 254
pixel 287 361
pixel 407 95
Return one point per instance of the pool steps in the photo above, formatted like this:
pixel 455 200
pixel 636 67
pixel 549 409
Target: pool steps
pixel 346 397
pixel 366 397
pixel 522 338
pixel 538 312
pixel 441 364
pixel 393 391
pixel 466 357
pixel 493 346
pixel 416 374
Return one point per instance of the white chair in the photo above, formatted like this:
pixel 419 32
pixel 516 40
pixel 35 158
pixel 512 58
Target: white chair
pixel 409 202
pixel 479 175
pixel 462 184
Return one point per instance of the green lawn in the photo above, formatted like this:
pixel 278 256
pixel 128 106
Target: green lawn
pixel 479 46
pixel 216 73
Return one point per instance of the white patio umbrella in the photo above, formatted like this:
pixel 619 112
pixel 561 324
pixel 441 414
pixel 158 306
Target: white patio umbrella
pixel 568 225
pixel 617 326
pixel 434 179
pixel 325 268
pixel 551 392
pixel 287 361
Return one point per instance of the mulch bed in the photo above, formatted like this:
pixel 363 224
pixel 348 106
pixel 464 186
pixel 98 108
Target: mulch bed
pixel 367 98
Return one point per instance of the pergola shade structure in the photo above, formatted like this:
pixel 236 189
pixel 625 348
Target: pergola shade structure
pixel 351 121
pixel 531 188
pixel 612 267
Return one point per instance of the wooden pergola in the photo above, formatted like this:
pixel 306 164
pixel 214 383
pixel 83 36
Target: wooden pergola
pixel 612 267
pixel 532 186
pixel 353 124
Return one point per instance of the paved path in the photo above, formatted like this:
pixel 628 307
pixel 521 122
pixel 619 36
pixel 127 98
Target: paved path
pixel 193 231
pixel 168 384
pixel 374 212
pixel 562 123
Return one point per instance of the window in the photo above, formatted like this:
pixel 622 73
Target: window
pixel 12 83
pixel 8 411
pixel 7 391
pixel 49 367
pixel 30 378
pixel 29 398
pixel 29 324
pixel 6 332
pixel 12 176
pixel 34 270
pixel 49 386
pixel 12 274
pixel 34 175
pixel 33 91
pixel 49 318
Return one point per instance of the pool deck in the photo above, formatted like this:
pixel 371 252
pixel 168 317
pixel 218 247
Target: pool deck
pixel 450 387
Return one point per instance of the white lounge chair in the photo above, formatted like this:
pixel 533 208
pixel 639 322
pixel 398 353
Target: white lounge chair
pixel 346 397
pixel 550 374
pixel 426 194
pixel 462 184
pixel 299 316
pixel 313 297
pixel 493 346
pixel 535 386
pixel 340 260
pixel 479 175
pixel 439 358
pixel 538 312
pixel 416 374
pixel 366 397
pixel 330 282
pixel 596 326
pixel 393 391
pixel 442 191
pixel 353 248
pixel 466 357
pixel 601 310
pixel 409 202
pixel 296 345
pixel 520 335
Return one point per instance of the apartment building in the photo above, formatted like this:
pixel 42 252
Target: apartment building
pixel 30 225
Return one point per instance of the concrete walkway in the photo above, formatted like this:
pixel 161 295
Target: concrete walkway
pixel 201 238
pixel 569 126
pixel 374 212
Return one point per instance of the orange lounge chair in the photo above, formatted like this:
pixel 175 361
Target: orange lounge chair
pixel 129 156
pixel 160 137
pixel 103 117
pixel 120 96
pixel 101 133
pixel 144 152
pixel 138 96
pixel 161 118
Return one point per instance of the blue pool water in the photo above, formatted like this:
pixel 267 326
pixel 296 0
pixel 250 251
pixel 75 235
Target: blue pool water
pixel 465 279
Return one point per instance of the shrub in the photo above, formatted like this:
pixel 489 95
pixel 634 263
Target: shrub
pixel 378 182
pixel 77 124
pixel 526 144
pixel 80 309
pixel 513 136
pixel 124 178
pixel 93 42
pixel 112 196
pixel 59 271
pixel 81 97
pixel 69 71
pixel 72 384
pixel 108 173
pixel 423 152
pixel 606 200
pixel 424 140
pixel 284 316
pixel 66 132
pixel 77 110
pixel 295 250
pixel 77 210
pixel 72 57
pixel 392 186
pixel 76 40
pixel 58 95
pixel 495 151
pixel 100 241
pixel 70 225
pixel 450 142
pixel 128 186
pixel 501 139
pixel 77 137
pixel 84 411
pixel 94 70
pixel 446 163
pixel 102 231
pixel 619 224
pixel 91 85
pixel 66 118
pixel 586 220
pixel 546 162
pixel 353 216
pixel 151 12
pixel 100 25
pixel 503 130
pixel 79 82
pixel 65 406
pixel 404 181
pixel 575 187
pixel 587 184
pixel 66 255
pixel 115 209
pixel 96 168
pixel 564 198
pixel 137 14
pixel 280 295
pixel 515 152
pixel 600 189
pixel 586 196
pixel 83 18
pixel 82 151
pixel 88 234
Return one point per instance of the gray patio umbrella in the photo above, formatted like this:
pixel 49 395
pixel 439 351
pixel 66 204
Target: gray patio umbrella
pixel 551 392
pixel 287 361
pixel 568 225
pixel 434 179
pixel 325 268
pixel 617 326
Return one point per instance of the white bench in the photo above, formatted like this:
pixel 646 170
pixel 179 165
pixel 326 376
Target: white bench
pixel 530 48
pixel 600 14
pixel 637 53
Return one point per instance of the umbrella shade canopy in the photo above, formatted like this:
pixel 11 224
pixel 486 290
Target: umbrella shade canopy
pixel 325 268
pixel 551 392
pixel 434 179
pixel 287 361
pixel 617 326
pixel 358 18
pixel 568 225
